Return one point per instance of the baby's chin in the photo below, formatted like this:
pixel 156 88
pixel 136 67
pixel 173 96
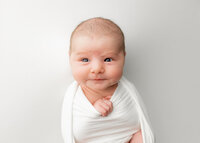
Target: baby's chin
pixel 100 86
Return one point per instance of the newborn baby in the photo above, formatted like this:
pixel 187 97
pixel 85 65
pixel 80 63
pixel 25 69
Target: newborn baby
pixel 102 109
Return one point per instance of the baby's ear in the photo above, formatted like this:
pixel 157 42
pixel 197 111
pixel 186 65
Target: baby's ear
pixel 124 53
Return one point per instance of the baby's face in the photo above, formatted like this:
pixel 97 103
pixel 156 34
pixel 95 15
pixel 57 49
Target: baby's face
pixel 96 62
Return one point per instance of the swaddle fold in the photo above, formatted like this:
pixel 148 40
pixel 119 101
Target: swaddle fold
pixel 115 131
pixel 117 127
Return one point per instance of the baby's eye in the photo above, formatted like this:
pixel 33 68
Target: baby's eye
pixel 108 60
pixel 85 60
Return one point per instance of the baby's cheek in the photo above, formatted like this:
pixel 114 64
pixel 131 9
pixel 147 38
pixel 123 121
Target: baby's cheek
pixel 116 73
pixel 79 75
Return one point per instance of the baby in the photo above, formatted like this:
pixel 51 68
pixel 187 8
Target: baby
pixel 102 109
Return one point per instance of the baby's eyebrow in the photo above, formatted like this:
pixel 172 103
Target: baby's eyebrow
pixel 110 54
pixel 82 53
pixel 102 54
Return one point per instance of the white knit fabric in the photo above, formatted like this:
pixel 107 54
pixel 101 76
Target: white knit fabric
pixel 70 116
pixel 118 127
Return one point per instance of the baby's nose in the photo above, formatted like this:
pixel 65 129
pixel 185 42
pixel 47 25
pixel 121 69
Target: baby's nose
pixel 97 67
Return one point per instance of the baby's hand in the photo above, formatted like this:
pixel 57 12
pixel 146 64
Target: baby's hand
pixel 137 137
pixel 104 106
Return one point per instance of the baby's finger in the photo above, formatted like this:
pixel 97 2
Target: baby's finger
pixel 103 111
pixel 104 105
pixel 100 107
pixel 107 97
pixel 109 103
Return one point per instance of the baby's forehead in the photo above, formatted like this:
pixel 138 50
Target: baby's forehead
pixel 98 36
pixel 100 43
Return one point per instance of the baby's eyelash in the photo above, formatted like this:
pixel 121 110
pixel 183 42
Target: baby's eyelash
pixel 108 59
pixel 84 59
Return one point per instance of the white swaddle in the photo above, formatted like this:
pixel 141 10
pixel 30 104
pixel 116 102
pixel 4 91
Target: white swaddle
pixel 67 116
pixel 117 127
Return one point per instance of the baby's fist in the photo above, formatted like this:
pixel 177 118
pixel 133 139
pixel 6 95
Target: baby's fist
pixel 104 106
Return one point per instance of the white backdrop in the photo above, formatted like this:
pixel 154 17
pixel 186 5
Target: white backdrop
pixel 162 43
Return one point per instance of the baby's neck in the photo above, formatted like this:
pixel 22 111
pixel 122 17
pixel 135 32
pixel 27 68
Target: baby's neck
pixel 94 94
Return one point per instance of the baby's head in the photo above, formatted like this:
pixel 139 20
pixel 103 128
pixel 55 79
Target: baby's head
pixel 97 53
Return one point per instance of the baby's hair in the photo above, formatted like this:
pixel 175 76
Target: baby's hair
pixel 98 26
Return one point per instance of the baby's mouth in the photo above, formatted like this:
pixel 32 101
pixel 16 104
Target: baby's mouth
pixel 98 79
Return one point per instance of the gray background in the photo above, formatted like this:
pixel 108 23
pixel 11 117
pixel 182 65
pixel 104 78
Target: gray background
pixel 162 43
